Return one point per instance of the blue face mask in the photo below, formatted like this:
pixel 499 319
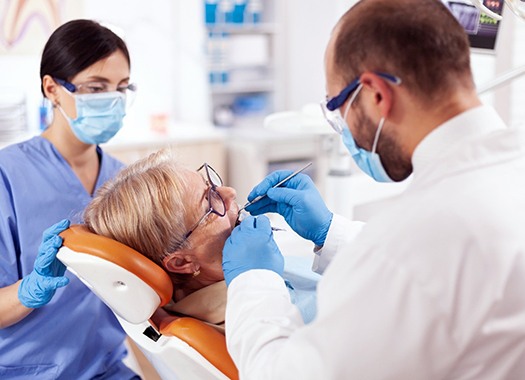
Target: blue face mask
pixel 369 162
pixel 99 116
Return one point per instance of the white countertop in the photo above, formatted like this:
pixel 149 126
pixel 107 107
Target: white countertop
pixel 179 132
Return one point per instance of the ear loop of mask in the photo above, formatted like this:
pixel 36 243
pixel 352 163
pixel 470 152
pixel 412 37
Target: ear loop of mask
pixel 378 132
pixel 351 101
pixel 57 105
pixel 381 122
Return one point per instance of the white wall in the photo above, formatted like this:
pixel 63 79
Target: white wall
pixel 166 42
pixel 505 99
pixel 517 91
pixel 308 26
pixel 165 39
pixel 21 76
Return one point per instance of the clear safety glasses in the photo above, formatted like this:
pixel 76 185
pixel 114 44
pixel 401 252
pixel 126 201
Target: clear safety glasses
pixel 330 107
pixel 334 117
pixel 129 90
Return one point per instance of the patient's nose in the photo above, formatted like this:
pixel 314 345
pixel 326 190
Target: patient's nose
pixel 228 194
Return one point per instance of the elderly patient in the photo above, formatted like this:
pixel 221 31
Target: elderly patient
pixel 180 219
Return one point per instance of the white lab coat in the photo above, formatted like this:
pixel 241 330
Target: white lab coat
pixel 432 288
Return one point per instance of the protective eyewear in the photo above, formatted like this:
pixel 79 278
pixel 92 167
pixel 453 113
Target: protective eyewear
pixel 94 87
pixel 330 107
pixel 129 89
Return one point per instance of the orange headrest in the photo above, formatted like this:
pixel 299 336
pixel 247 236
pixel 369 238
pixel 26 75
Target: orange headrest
pixel 79 238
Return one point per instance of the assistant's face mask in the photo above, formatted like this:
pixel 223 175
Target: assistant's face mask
pixel 369 162
pixel 99 116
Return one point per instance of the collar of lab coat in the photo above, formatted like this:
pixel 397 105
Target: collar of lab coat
pixel 463 139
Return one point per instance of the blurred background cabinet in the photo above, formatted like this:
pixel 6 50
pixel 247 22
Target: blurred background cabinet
pixel 192 147
pixel 244 53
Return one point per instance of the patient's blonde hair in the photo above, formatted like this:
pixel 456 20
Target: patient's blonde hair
pixel 143 206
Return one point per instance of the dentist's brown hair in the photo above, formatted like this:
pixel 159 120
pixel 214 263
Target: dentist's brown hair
pixel 420 42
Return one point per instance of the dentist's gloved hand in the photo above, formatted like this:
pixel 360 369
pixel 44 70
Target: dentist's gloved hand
pixel 298 201
pixel 39 286
pixel 251 246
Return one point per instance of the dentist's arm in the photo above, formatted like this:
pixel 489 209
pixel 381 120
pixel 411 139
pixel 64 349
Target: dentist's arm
pixel 298 201
pixel 38 287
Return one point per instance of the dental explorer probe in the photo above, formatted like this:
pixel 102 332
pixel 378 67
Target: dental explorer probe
pixel 256 199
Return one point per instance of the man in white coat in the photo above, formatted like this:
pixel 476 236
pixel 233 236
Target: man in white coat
pixel 433 287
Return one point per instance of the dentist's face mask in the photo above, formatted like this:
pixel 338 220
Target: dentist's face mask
pixel 99 116
pixel 369 162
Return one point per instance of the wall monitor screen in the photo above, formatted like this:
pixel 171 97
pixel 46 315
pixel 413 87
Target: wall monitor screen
pixel 482 30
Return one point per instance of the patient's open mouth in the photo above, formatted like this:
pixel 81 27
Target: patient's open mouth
pixel 240 216
pixel 243 214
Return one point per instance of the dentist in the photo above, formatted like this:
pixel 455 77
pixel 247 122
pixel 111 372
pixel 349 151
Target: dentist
pixel 433 286
pixel 51 325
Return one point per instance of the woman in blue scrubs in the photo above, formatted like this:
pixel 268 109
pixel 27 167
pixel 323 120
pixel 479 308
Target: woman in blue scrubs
pixel 51 325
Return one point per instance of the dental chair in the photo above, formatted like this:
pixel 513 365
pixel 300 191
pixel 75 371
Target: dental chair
pixel 134 288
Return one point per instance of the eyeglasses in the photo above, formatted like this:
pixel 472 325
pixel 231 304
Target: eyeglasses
pixel 95 87
pixel 216 204
pixel 334 118
pixel 330 107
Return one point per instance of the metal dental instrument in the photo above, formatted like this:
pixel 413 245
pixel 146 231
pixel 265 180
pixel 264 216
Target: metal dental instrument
pixel 256 199
pixel 244 214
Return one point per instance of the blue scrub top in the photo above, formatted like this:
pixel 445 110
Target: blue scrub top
pixel 75 336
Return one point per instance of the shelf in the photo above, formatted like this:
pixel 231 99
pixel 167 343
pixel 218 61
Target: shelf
pixel 243 67
pixel 264 28
pixel 245 87
pixel 248 57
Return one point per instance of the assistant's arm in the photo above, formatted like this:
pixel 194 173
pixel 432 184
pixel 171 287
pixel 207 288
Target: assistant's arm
pixel 38 287
pixel 11 309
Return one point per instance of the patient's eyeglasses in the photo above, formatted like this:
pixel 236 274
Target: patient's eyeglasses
pixel 216 204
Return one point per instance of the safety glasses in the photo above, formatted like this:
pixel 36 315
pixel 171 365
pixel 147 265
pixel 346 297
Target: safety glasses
pixel 330 107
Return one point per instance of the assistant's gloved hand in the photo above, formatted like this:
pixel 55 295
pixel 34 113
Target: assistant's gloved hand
pixel 251 246
pixel 39 286
pixel 298 201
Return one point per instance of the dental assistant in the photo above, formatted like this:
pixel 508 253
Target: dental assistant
pixel 433 286
pixel 51 325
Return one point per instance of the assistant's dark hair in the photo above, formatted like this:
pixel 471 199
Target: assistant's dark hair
pixel 76 45
pixel 419 41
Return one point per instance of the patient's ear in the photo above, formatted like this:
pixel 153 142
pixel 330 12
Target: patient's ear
pixel 181 262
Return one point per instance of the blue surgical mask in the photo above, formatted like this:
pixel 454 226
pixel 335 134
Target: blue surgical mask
pixel 99 116
pixel 369 162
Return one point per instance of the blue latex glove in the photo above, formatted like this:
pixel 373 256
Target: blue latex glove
pixel 298 201
pixel 251 246
pixel 39 286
